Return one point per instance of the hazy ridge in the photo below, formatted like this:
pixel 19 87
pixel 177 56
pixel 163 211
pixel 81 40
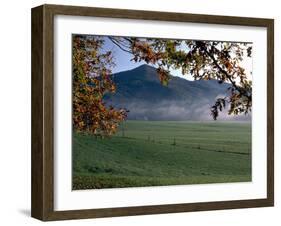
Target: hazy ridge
pixel 139 90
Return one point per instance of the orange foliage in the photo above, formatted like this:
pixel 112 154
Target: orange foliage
pixel 91 81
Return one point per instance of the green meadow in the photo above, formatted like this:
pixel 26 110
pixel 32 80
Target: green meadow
pixel 155 153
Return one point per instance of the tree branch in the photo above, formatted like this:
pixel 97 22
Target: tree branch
pixel 223 71
pixel 119 45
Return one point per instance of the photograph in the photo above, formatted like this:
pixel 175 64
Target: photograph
pixel 141 112
pixel 160 112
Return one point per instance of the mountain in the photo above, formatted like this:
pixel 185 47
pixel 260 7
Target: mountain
pixel 140 91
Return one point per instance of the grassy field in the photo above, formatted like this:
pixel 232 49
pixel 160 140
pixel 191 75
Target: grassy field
pixel 148 153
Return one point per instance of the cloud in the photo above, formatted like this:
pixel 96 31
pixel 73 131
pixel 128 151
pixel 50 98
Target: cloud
pixel 176 110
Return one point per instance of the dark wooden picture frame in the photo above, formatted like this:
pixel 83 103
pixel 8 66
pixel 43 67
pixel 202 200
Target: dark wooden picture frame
pixel 42 203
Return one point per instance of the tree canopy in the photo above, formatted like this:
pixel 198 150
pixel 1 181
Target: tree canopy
pixel 91 81
pixel 92 69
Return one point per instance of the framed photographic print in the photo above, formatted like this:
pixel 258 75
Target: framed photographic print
pixel 141 112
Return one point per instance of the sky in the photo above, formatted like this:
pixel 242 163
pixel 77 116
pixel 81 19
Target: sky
pixel 123 61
